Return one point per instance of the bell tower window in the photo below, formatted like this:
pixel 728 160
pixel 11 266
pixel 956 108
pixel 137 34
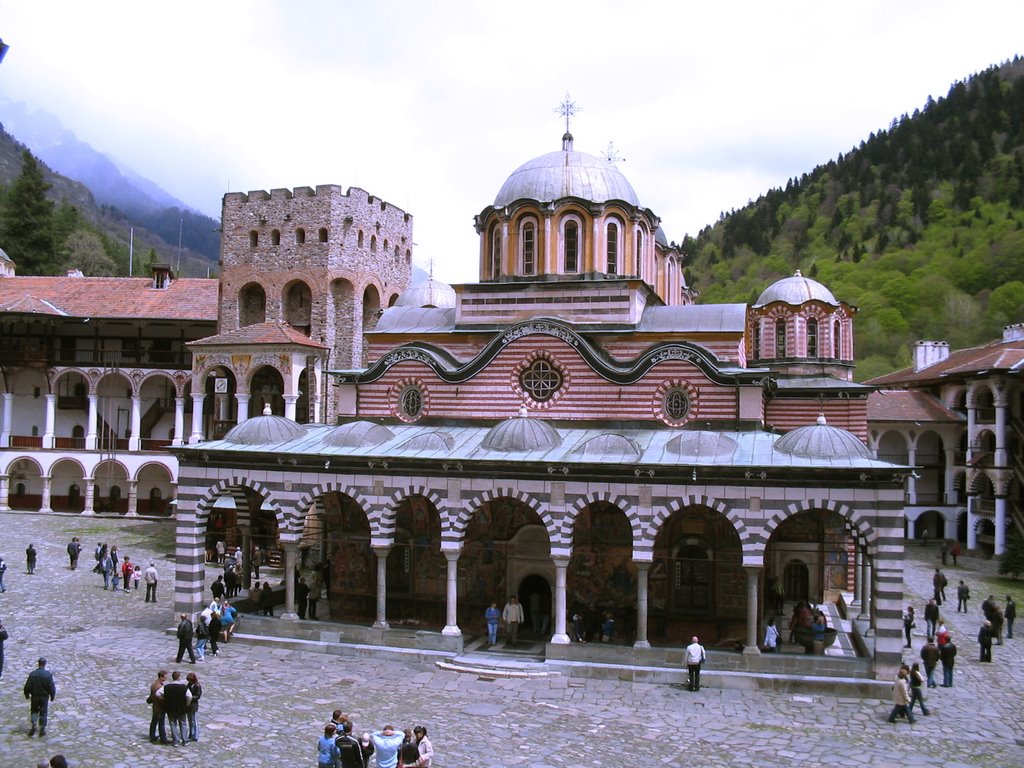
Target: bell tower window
pixel 529 246
pixel 571 247
pixel 612 266
pixel 812 338
pixel 495 252
pixel 780 339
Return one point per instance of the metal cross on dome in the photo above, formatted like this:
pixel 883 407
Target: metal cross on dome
pixel 612 154
pixel 567 109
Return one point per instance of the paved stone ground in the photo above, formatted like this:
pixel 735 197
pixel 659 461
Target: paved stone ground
pixel 266 707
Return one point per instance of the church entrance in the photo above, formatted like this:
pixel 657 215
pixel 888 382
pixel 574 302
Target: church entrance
pixel 535 595
pixel 796 580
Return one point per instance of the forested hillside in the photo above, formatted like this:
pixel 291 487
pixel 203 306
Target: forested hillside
pixel 921 226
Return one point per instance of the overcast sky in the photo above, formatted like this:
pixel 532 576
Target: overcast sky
pixel 431 105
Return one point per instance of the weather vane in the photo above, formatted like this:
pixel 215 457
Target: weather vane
pixel 567 109
pixel 612 154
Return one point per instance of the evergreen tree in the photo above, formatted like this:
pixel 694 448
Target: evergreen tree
pixel 27 222
pixel 1011 562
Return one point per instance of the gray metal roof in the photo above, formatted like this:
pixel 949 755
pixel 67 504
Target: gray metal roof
pixel 822 441
pixel 707 318
pixel 398 319
pixel 431 293
pixel 796 290
pixel 566 174
pixel 261 430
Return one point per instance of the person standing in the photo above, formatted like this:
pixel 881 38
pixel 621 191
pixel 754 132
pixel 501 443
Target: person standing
pixel 350 752
pixel 931 618
pixel 947 654
pixel 963 594
pixel 909 623
pixel 192 680
pixel 916 694
pixel 901 697
pixel 40 691
pixel 3 570
pixel 771 637
pixel 955 551
pixel 316 585
pixel 513 616
pixel 3 637
pixel 159 716
pixel 426 749
pixel 217 589
pixel 74 550
pixel 176 698
pixel 127 568
pixel 267 599
pixel 939 587
pixel 301 596
pixel 221 550
pixel 1009 614
pixel 492 616
pixel 106 566
pixel 215 628
pixel 695 658
pixel 202 634
pixel 985 641
pixel 30 559
pixel 386 743
pixel 185 634
pixel 930 659
pixel 326 748
pixel 152 578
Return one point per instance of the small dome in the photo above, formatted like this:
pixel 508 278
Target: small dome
pixel 796 290
pixel 820 441
pixel 432 293
pixel 264 430
pixel 521 433
pixel 358 434
pixel 429 441
pixel 702 446
pixel 609 444
pixel 566 174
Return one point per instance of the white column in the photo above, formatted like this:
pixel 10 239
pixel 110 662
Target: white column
pixel 314 385
pixel 451 624
pixel 1000 457
pixel 289 406
pixel 5 493
pixel 197 419
pixel 560 637
pixel 972 522
pixel 179 421
pixel 949 528
pixel 44 504
pixel 90 427
pixel 972 419
pixel 1000 543
pixel 5 430
pixel 51 417
pixel 642 570
pixel 382 586
pixel 753 572
pixel 291 551
pixel 911 480
pixel 948 477
pixel 911 529
pixel 90 496
pixel 243 406
pixel 133 498
pixel 135 439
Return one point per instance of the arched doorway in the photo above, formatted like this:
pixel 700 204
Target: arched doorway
pixel 796 580
pixel 601 577
pixel 535 595
pixel 416 569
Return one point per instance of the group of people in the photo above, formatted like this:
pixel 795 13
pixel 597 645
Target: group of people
pixel 394 748
pixel 214 625
pixel 174 702
pixel 119 573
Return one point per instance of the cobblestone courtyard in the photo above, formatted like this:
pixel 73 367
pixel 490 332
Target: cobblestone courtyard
pixel 264 707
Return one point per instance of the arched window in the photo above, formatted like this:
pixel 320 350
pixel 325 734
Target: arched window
pixel 780 338
pixel 612 248
pixel 373 243
pixel 359 239
pixel 254 238
pixel 300 236
pixel 495 252
pixel 640 254
pixel 837 341
pixel 528 247
pixel 812 337
pixel 275 237
pixel 322 234
pixel 755 342
pixel 571 247
pixel 252 305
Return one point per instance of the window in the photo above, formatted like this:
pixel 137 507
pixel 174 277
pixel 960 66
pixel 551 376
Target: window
pixel 541 380
pixel 755 342
pixel 529 248
pixel 640 254
pixel 676 404
pixel 322 235
pixel 373 243
pixel 359 239
pixel 410 402
pixel 571 246
pixel 495 252
pixel 275 237
pixel 780 339
pixel 612 267
pixel 300 236
pixel 254 238
pixel 837 341
pixel 812 338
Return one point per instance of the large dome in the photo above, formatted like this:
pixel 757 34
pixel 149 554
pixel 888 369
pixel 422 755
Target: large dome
pixel 821 441
pixel 432 293
pixel 566 174
pixel 796 290
pixel 264 430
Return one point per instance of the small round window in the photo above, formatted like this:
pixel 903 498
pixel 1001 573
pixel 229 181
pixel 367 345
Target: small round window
pixel 411 402
pixel 541 380
pixel 676 404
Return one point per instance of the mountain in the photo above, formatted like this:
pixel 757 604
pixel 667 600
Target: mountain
pixel 129 198
pixel 921 226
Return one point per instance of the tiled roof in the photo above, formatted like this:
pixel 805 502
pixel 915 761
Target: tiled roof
pixel 996 356
pixel 908 405
pixel 260 333
pixel 111 297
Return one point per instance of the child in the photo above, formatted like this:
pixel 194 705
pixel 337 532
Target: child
pixel 137 576
pixel 115 578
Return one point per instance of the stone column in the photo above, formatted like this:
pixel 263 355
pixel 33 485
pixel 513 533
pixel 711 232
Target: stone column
pixel 44 504
pixel 5 430
pixel 90 427
pixel 289 406
pixel 911 480
pixel 949 527
pixel 999 459
pixel 197 419
pixel 135 440
pixel 51 417
pixel 179 421
pixel 948 478
pixel 972 522
pixel 753 574
pixel 451 624
pixel 291 554
pixel 5 493
pixel 858 565
pixel 382 587
pixel 1000 538
pixel 246 533
pixel 133 498
pixel 188 578
pixel 90 496
pixel 864 584
pixel 642 569
pixel 911 529
pixel 243 406
pixel 560 637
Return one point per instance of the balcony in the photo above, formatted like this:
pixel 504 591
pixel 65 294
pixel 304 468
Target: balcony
pixel 69 443
pixel 26 441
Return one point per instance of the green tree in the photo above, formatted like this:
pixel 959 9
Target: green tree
pixel 27 221
pixel 1011 562
pixel 84 250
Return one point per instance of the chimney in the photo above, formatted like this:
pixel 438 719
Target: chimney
pixel 928 353
pixel 74 273
pixel 1014 332
pixel 162 275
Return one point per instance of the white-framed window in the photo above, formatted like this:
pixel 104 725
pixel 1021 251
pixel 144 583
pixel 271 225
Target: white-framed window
pixel 812 337
pixel 640 253
pixel 528 247
pixel 837 341
pixel 612 248
pixel 780 338
pixel 572 245
pixel 495 252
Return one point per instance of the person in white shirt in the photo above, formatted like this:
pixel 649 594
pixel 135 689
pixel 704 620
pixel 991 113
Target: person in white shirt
pixel 513 616
pixel 771 637
pixel 695 656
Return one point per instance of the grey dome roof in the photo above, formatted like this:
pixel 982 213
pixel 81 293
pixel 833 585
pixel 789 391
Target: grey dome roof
pixel 432 293
pixel 821 441
pixel 796 290
pixel 698 445
pixel 566 174
pixel 358 434
pixel 429 441
pixel 521 433
pixel 265 429
pixel 610 444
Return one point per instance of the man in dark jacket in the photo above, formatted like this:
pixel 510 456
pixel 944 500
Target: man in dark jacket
pixel 74 550
pixel 930 657
pixel 185 633
pixel 40 691
pixel 176 698
pixel 1010 613
pixel 301 596
pixel 947 653
pixel 931 618
pixel 350 749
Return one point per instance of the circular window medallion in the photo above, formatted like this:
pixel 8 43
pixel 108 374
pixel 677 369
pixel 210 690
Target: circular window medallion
pixel 676 404
pixel 541 380
pixel 410 403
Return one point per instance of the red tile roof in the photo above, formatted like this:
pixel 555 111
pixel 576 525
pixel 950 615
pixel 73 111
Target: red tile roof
pixel 908 405
pixel 260 333
pixel 995 356
pixel 111 297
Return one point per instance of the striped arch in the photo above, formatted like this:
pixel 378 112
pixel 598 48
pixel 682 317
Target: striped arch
pixel 469 507
pixel 662 514
pixel 978 387
pixel 233 486
pixel 976 482
pixel 569 520
pixel 389 514
pixel 306 501
pixel 858 520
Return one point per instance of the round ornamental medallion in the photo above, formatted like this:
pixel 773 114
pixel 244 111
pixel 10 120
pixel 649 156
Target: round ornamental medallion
pixel 676 404
pixel 410 403
pixel 541 380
